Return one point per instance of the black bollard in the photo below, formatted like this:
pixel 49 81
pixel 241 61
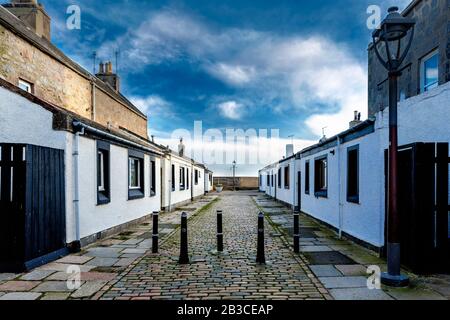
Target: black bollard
pixel 260 256
pixel 184 257
pixel 219 231
pixel 296 232
pixel 155 232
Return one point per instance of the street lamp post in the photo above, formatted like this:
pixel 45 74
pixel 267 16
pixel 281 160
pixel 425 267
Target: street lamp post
pixel 234 175
pixel 393 29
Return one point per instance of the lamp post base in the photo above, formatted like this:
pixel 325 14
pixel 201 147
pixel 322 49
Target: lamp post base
pixel 400 281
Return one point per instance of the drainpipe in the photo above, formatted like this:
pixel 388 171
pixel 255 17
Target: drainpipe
pixel 341 218
pixel 293 187
pixel 76 246
pixel 170 184
pixel 93 101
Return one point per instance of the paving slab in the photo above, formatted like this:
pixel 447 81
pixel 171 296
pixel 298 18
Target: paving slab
pixel 2 293
pixel 359 294
pixel 99 252
pixel 59 276
pixel 124 262
pixel 37 275
pixel 137 251
pixel 8 276
pixel 413 294
pixel 344 282
pixel 133 241
pixel 64 267
pixel 315 249
pixel 103 262
pixel 75 259
pixel 23 296
pixel 88 289
pixel 56 296
pixel 325 271
pixel 97 276
pixel 53 286
pixel 17 285
pixel 352 270
pixel 330 257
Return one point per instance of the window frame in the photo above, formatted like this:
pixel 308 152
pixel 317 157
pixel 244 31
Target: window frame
pixel 307 177
pixel 182 178
pixel 104 194
pixel 188 184
pixel 287 177
pixel 173 177
pixel 152 177
pixel 427 87
pixel 22 82
pixel 279 178
pixel 353 198
pixel 136 192
pixel 322 192
pixel 196 177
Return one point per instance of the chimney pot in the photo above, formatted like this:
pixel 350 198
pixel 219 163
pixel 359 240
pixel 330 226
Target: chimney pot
pixel 101 68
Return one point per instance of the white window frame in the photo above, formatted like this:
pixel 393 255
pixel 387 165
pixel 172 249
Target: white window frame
pixel 138 173
pixel 101 186
pixel 423 87
pixel 25 86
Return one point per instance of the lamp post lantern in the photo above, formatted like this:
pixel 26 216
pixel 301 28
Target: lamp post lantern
pixel 392 31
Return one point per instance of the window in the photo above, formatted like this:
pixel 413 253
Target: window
pixel 287 177
pixel 429 71
pixel 103 176
pixel 307 177
pixel 353 174
pixel 135 175
pixel 321 177
pixel 173 177
pixel 210 179
pixel 196 177
pixel 279 178
pixel 152 178
pixel 268 180
pixel 182 178
pixel 187 179
pixel 26 86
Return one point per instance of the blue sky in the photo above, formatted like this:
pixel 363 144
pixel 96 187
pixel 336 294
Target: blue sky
pixel 292 65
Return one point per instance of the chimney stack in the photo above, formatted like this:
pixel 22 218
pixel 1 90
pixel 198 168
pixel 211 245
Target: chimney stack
pixel 356 120
pixel 107 75
pixel 33 14
pixel 181 148
pixel 289 150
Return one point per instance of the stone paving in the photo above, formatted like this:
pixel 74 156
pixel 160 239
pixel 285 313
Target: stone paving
pixel 100 264
pixel 341 265
pixel 233 274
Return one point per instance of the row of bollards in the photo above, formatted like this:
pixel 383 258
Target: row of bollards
pixel 184 253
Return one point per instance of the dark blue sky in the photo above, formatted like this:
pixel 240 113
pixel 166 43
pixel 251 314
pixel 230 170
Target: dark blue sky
pixel 293 65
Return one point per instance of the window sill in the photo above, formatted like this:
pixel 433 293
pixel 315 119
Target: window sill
pixel 134 194
pixel 102 199
pixel 321 194
pixel 354 200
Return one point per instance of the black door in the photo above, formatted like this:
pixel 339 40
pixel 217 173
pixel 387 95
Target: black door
pixel 299 191
pixel 423 206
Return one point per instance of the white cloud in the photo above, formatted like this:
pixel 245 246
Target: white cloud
pixel 152 104
pixel 231 110
pixel 311 74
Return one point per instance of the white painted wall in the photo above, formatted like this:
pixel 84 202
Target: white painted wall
pixel 199 188
pixel 288 195
pixel 95 218
pixel 22 121
pixel 208 181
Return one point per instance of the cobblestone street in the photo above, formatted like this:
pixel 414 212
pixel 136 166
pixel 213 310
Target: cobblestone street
pixel 231 275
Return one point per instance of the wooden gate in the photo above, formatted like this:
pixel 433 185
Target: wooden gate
pixel 423 206
pixel 32 206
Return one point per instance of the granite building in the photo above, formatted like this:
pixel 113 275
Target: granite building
pixel 427 63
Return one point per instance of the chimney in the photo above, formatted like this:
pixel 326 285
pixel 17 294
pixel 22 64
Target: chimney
pixel 356 120
pixel 289 150
pixel 181 148
pixel 107 75
pixel 33 14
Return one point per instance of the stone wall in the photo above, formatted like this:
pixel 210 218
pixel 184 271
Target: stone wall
pixel 58 84
pixel 242 183
pixel 432 31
